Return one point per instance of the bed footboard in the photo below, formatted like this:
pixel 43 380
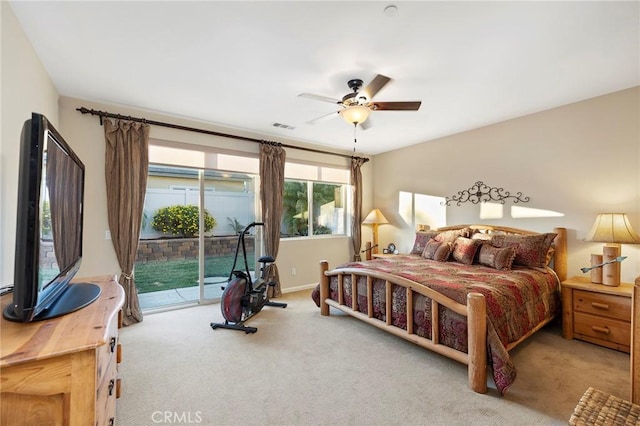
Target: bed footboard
pixel 475 311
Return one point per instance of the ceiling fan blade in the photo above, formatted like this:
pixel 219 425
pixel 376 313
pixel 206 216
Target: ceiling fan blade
pixel 396 106
pixel 324 118
pixel 320 98
pixel 374 87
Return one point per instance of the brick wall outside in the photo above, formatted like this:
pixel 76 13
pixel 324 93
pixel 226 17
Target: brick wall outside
pixel 165 249
pixel 187 248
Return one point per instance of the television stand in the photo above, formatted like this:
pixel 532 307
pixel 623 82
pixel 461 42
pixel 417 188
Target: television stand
pixel 63 371
pixel 74 297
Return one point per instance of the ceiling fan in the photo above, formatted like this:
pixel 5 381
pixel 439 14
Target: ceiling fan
pixel 357 105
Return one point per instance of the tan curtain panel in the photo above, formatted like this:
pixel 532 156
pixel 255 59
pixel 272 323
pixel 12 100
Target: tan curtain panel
pixel 126 169
pixel 63 176
pixel 356 225
pixel 272 159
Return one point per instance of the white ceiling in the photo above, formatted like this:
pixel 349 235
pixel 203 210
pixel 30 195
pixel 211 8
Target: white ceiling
pixel 243 64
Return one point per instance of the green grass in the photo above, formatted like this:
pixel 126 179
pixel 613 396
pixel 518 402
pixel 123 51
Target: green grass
pixel 179 273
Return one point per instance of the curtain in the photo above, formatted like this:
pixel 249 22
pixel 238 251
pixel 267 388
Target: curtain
pixel 126 168
pixel 63 176
pixel 356 229
pixel 272 158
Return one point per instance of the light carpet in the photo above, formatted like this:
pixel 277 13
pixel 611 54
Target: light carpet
pixel 304 369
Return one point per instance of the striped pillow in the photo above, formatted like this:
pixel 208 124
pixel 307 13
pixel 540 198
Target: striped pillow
pixel 496 257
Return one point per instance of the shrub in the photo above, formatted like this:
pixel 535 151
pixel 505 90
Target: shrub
pixel 181 220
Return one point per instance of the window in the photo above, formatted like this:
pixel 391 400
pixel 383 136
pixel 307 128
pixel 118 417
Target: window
pixel 326 203
pixel 321 190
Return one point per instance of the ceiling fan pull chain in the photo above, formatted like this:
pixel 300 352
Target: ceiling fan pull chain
pixel 355 140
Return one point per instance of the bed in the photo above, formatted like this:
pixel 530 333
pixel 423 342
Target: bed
pixel 469 292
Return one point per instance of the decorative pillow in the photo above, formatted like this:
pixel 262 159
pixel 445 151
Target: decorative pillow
pixel 531 250
pixel 496 257
pixel 437 251
pixel 422 238
pixel 465 249
pixel 450 236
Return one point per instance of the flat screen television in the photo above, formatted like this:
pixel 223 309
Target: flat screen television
pixel 48 249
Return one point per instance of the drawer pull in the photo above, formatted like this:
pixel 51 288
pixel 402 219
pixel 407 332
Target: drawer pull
pixel 112 344
pixel 599 329
pixel 112 383
pixel 112 421
pixel 600 305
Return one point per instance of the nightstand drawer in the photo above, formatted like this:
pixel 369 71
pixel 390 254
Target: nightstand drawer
pixel 606 305
pixel 602 328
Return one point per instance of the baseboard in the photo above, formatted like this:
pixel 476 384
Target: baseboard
pixel 299 288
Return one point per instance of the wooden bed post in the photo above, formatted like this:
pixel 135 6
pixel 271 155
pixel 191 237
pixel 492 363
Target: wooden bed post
pixel 560 253
pixel 324 288
pixel 477 351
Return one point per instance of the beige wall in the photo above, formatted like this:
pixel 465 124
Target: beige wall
pixel 578 160
pixel 25 88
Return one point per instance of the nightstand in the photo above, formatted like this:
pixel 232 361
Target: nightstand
pixel 597 313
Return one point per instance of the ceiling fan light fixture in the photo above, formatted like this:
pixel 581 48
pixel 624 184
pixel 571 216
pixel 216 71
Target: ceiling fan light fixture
pixel 355 114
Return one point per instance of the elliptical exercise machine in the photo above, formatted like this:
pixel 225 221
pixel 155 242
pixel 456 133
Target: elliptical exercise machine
pixel 242 298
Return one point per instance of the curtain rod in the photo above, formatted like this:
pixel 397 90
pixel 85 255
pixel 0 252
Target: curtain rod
pixel 102 114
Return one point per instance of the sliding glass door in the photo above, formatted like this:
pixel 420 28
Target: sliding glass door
pixel 177 263
pixel 166 268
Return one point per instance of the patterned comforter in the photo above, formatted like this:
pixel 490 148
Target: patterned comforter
pixel 517 301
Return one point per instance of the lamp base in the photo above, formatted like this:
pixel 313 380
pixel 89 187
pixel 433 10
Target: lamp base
pixel 375 239
pixel 611 271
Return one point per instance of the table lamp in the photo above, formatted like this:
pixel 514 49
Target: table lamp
pixel 613 229
pixel 375 218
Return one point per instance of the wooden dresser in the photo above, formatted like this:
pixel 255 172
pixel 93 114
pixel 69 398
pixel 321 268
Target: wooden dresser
pixel 63 371
pixel 597 313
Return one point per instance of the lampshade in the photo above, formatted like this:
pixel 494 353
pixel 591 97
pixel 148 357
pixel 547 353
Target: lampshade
pixel 613 228
pixel 375 217
pixel 355 114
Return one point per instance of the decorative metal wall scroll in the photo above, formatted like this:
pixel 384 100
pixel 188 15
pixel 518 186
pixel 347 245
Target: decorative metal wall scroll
pixel 481 193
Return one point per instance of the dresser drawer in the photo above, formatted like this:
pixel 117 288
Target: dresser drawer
pixel 606 305
pixel 106 395
pixel 105 356
pixel 606 329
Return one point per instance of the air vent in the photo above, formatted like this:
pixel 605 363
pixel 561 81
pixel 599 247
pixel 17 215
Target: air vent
pixel 283 126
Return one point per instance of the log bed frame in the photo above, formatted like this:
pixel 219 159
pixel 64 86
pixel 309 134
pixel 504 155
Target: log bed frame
pixel 475 310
